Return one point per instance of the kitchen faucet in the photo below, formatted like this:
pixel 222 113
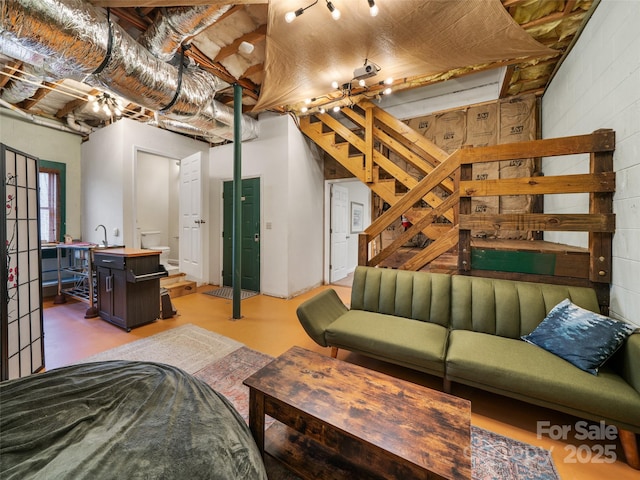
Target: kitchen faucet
pixel 105 234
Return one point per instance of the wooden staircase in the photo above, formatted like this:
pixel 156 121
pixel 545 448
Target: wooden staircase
pixel 437 200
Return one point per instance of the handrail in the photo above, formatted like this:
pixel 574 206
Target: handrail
pixel 448 222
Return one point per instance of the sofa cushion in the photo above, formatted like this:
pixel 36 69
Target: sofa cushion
pixel 515 368
pixel 419 345
pixel 417 295
pixel 509 308
pixel 580 337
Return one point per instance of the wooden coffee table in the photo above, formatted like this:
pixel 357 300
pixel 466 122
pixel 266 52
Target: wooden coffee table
pixel 338 420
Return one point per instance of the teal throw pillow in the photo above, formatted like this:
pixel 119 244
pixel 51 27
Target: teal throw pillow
pixel 579 336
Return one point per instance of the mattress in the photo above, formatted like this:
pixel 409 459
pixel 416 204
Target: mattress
pixel 124 420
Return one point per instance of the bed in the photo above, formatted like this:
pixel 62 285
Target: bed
pixel 124 420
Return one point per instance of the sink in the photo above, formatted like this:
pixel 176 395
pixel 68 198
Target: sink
pixel 102 247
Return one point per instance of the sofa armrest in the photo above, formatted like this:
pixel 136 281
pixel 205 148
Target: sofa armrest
pixel 317 313
pixel 630 362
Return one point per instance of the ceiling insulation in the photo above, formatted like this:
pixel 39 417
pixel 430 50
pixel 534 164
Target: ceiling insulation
pixel 406 39
pixel 419 33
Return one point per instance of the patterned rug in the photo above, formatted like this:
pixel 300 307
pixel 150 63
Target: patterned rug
pixel 188 347
pixel 227 292
pixel 493 456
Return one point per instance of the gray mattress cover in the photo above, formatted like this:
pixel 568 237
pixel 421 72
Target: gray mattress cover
pixel 124 420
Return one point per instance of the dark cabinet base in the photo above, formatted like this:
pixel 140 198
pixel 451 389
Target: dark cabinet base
pixel 128 288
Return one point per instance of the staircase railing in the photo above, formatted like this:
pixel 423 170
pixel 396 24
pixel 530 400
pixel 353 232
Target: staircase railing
pixel 445 185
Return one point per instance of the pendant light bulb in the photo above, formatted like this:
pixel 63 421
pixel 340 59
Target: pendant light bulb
pixel 291 16
pixel 335 13
pixel 373 8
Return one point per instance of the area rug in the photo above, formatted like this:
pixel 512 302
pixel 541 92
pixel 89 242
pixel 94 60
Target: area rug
pixel 224 363
pixel 188 347
pixel 227 292
pixel 493 456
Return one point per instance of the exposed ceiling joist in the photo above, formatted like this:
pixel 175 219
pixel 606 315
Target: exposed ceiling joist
pixel 216 50
pixel 254 37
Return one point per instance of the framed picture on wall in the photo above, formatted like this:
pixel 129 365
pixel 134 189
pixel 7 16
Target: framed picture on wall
pixel 357 212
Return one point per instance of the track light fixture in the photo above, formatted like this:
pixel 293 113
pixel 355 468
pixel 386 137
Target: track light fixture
pixel 335 12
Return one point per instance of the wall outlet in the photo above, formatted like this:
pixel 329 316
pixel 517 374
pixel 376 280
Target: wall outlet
pixel 116 232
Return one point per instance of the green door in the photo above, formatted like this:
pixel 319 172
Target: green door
pixel 250 256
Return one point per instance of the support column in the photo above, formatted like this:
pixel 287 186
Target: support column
pixel 236 232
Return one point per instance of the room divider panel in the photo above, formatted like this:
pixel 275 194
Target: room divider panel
pixel 21 322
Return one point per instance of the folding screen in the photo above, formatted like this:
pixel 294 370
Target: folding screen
pixel 21 327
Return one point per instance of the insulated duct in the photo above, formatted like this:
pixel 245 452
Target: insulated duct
pixel 21 89
pixel 178 25
pixel 76 40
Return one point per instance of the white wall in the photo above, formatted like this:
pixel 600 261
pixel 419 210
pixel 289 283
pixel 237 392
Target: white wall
pixel 291 203
pixel 53 145
pixel 598 86
pixel 108 176
pixel 305 215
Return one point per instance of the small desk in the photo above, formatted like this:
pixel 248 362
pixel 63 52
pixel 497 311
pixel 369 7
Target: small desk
pixel 337 420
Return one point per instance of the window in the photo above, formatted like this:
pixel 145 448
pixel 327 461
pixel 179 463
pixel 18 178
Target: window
pixel 52 208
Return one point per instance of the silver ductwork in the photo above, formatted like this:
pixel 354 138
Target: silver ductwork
pixel 19 90
pixel 73 39
pixel 178 25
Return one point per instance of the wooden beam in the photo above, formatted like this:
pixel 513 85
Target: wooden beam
pixel 9 71
pixel 250 88
pixel 368 139
pixel 600 243
pixel 601 141
pixel 414 137
pixel 506 83
pixel 557 184
pixel 132 18
pixel 414 229
pixel 252 70
pixel 72 105
pixel 427 184
pixel 433 251
pixel 527 222
pixel 415 159
pixel 252 37
pixel 42 92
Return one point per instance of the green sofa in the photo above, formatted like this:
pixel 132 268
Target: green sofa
pixel 467 330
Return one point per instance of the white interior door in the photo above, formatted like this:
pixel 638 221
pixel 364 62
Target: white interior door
pixel 339 232
pixel 192 223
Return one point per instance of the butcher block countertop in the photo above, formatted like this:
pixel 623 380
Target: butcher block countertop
pixel 127 252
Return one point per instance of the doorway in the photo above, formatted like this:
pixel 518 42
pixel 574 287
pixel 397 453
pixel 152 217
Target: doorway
pixel 348 203
pixel 250 254
pixel 157 192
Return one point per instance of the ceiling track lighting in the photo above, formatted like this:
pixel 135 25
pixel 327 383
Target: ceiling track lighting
pixel 335 12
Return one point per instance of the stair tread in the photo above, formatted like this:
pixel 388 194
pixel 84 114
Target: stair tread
pixel 179 284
